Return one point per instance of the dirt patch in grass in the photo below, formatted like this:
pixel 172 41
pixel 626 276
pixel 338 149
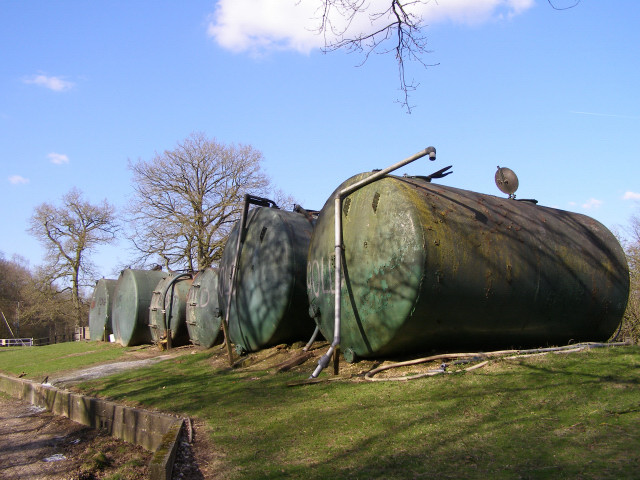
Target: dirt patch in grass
pixel 36 444
pixel 275 359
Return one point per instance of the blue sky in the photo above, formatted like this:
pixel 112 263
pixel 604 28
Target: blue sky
pixel 87 86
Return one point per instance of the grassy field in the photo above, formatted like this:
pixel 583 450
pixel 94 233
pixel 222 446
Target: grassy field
pixel 557 416
pixel 35 362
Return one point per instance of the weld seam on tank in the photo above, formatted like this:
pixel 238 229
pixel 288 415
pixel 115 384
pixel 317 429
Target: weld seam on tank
pixel 326 358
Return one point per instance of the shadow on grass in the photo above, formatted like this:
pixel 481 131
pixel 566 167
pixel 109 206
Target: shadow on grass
pixel 554 418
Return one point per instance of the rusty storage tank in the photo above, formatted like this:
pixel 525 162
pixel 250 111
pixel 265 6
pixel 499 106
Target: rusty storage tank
pixel 203 309
pixel 269 304
pixel 168 309
pixel 100 310
pixel 131 301
pixel 435 267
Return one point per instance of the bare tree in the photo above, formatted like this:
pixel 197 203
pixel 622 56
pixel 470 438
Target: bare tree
pixel 187 199
pixel 68 233
pixel 631 322
pixel 390 26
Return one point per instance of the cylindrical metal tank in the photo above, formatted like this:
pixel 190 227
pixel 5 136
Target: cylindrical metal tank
pixel 434 267
pixel 168 309
pixel 100 310
pixel 269 305
pixel 132 298
pixel 203 309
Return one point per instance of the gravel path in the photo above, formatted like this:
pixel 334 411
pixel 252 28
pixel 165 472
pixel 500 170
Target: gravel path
pixel 103 370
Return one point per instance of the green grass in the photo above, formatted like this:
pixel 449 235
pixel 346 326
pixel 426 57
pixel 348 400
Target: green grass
pixel 558 416
pixel 36 362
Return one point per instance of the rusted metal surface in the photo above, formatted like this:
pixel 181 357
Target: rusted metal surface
pixel 269 304
pixel 203 309
pixel 435 267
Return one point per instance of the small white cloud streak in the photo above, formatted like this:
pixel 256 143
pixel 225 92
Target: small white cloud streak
pixel 614 115
pixel 57 84
pixel 592 203
pixel 18 180
pixel 261 26
pixel 58 158
pixel 631 196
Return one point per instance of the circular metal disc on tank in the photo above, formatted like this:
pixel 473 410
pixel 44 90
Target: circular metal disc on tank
pixel 506 180
pixel 132 298
pixel 170 314
pixel 203 309
pixel 100 310
pixel 270 304
pixel 434 267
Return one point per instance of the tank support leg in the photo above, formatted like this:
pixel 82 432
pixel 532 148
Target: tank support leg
pixel 336 361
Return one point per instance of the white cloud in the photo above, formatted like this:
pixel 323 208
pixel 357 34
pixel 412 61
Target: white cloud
pixel 263 25
pixel 266 25
pixel 631 196
pixel 57 84
pixel 592 203
pixel 58 158
pixel 18 180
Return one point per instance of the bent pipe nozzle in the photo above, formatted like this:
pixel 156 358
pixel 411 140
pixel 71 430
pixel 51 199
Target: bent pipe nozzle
pixel 431 151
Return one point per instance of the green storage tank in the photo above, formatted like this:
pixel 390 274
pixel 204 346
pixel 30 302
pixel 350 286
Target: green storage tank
pixel 132 298
pixel 435 267
pixel 168 309
pixel 100 310
pixel 203 309
pixel 269 305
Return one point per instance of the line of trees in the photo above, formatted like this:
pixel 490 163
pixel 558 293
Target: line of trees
pixel 185 203
pixel 30 306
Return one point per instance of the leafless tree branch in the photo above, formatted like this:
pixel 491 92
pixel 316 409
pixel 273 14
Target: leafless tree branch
pixel 68 233
pixel 187 199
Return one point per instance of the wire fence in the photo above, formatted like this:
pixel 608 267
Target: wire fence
pixel 16 342
pixel 80 333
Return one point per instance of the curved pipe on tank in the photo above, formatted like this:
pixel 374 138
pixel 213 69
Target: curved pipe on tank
pixel 312 339
pixel 326 358
pixel 164 310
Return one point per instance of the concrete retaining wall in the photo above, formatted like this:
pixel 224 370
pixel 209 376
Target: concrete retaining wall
pixel 156 432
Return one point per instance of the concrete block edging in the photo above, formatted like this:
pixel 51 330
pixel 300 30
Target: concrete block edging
pixel 156 432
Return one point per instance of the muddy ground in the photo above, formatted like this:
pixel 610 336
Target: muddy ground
pixel 37 445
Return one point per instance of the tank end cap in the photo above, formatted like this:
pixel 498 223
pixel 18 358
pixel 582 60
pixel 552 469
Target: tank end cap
pixel 350 356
